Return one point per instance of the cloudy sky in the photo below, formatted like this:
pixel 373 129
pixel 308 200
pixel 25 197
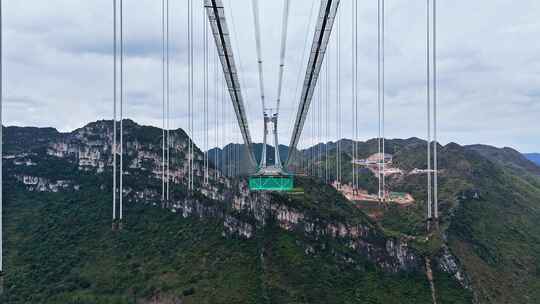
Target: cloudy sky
pixel 58 67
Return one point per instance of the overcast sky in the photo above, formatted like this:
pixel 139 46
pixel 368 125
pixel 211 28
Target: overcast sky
pixel 58 66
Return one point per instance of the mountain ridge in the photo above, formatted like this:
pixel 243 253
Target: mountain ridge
pixel 471 192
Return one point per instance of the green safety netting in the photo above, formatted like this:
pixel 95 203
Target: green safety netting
pixel 271 183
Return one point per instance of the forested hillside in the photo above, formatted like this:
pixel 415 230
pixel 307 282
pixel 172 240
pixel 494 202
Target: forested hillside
pixel 223 244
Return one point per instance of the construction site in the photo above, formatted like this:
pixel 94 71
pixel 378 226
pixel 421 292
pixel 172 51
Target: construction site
pixel 381 165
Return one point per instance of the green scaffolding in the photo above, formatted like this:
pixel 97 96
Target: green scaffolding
pixel 271 183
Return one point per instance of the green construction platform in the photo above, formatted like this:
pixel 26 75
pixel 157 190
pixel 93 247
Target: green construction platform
pixel 271 183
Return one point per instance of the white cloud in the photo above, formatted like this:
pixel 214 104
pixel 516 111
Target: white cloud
pixel 58 66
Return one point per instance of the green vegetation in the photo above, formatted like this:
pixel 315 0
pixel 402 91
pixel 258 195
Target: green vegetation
pixel 322 202
pixel 61 249
pixel 18 139
pixel 271 183
pixel 496 237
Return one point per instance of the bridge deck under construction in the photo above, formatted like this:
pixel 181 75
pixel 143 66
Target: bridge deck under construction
pixel 271 179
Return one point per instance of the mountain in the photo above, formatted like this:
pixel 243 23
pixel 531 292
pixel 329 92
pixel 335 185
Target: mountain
pixel 20 139
pixel 489 200
pixel 534 157
pixel 507 157
pixel 223 244
pixel 477 184
pixel 220 244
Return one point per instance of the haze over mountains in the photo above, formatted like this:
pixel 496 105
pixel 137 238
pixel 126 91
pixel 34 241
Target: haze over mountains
pixel 223 244
pixel 534 157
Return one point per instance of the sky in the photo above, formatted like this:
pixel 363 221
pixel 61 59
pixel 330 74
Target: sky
pixel 58 68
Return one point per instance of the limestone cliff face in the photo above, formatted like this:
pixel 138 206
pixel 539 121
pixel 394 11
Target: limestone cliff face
pixel 92 148
pixel 448 263
pixel 247 213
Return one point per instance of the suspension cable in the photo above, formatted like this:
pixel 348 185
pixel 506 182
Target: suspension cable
pixel 428 91
pixel 231 150
pixel 297 87
pixel 216 111
pixel 305 163
pixel 231 131
pixel 355 91
pixel 435 164
pixel 205 101
pixel 275 118
pixel 192 116
pixel 257 29
pixel 239 153
pixel 241 75
pixel 308 146
pixel 320 129
pixel 338 86
pixel 115 94
pixel 121 108
pixel 226 141
pixel 319 123
pixel 306 150
pixel 255 6
pixel 285 23
pixel 2 141
pixel 236 164
pixel 228 131
pixel 223 132
pixel 235 168
pixel 326 115
pixel 383 85
pixel 190 94
pixel 168 104
pixel 379 139
pixel 189 12
pixel 352 100
pixel 163 97
pixel 313 140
